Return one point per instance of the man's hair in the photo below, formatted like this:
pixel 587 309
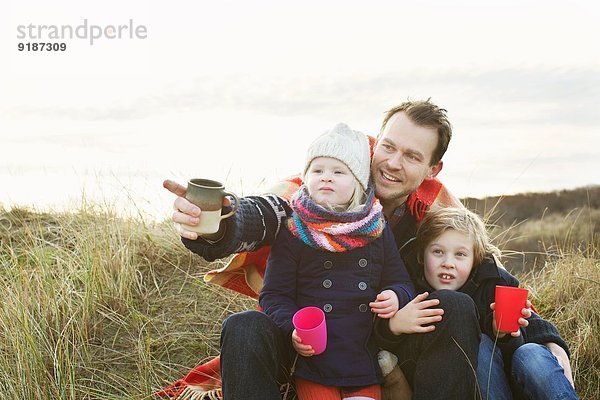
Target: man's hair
pixel 426 114
pixel 461 220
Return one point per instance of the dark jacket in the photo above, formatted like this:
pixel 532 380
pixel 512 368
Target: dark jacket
pixel 481 287
pixel 342 284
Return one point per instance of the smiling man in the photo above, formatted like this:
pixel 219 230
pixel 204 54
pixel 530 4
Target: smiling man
pixel 408 151
pixel 406 159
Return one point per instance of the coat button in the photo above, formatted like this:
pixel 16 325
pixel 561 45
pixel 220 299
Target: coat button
pixel 362 286
pixel 362 262
pixel 328 308
pixel 328 264
pixel 362 308
pixel 327 283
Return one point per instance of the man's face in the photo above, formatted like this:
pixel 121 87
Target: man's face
pixel 401 159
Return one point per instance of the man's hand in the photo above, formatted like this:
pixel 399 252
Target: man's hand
pixel 412 317
pixel 563 360
pixel 305 350
pixel 523 323
pixel 186 212
pixel 386 304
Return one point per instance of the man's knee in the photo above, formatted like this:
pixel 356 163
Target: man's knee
pixel 455 304
pixel 248 326
pixel 245 320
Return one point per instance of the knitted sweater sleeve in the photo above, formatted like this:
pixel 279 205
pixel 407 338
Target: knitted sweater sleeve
pixel 255 224
pixel 385 338
pixel 541 331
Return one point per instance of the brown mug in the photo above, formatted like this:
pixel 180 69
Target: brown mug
pixel 208 195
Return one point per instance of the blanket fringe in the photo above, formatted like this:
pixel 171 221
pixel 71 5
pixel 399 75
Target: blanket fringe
pixel 193 393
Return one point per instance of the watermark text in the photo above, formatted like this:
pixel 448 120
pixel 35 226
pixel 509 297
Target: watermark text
pixel 90 32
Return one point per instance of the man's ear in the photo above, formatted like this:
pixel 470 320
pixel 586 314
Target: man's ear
pixel 435 169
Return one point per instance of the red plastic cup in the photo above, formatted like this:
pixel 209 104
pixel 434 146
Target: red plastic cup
pixel 311 327
pixel 509 303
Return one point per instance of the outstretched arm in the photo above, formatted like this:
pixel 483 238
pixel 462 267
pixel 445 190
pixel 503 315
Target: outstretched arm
pixel 255 224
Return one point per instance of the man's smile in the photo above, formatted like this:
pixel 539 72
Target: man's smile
pixel 390 178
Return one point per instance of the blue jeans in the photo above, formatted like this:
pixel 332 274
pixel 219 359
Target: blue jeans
pixel 493 383
pixel 536 375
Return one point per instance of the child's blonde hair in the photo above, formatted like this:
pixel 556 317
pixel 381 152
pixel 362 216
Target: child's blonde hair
pixel 461 220
pixel 358 199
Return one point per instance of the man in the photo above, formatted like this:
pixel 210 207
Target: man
pixel 406 159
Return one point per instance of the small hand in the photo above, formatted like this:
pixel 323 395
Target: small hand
pixel 385 304
pixel 418 312
pixel 305 350
pixel 185 212
pixel 523 323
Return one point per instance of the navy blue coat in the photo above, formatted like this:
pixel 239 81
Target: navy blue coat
pixel 342 284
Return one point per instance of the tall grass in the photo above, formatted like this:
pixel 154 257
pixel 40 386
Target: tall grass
pixel 566 291
pixel 95 306
pixel 530 243
pixel 99 307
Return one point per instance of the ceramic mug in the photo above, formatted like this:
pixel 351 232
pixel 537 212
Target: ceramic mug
pixel 208 195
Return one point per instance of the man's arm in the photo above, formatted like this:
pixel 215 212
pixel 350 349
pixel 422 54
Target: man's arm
pixel 255 224
pixel 543 332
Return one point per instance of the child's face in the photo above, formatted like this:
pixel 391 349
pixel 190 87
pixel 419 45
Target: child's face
pixel 329 182
pixel 449 260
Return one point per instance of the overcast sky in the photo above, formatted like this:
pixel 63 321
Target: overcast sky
pixel 237 90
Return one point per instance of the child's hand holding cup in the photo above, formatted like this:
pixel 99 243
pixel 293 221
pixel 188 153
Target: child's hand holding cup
pixel 311 329
pixel 208 195
pixel 511 307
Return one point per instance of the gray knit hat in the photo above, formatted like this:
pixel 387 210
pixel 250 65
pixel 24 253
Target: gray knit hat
pixel 348 146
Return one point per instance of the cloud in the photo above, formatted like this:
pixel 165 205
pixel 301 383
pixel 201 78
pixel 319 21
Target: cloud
pixel 509 96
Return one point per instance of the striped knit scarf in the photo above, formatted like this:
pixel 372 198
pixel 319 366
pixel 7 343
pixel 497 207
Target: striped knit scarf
pixel 334 231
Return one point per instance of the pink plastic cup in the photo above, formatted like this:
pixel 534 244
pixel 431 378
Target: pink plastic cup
pixel 509 303
pixel 311 327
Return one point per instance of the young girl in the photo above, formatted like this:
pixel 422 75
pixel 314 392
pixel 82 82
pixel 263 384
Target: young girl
pixel 337 254
pixel 452 245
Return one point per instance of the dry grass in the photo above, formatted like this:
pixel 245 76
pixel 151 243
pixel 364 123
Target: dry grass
pixel 566 292
pixel 100 307
pixel 530 243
